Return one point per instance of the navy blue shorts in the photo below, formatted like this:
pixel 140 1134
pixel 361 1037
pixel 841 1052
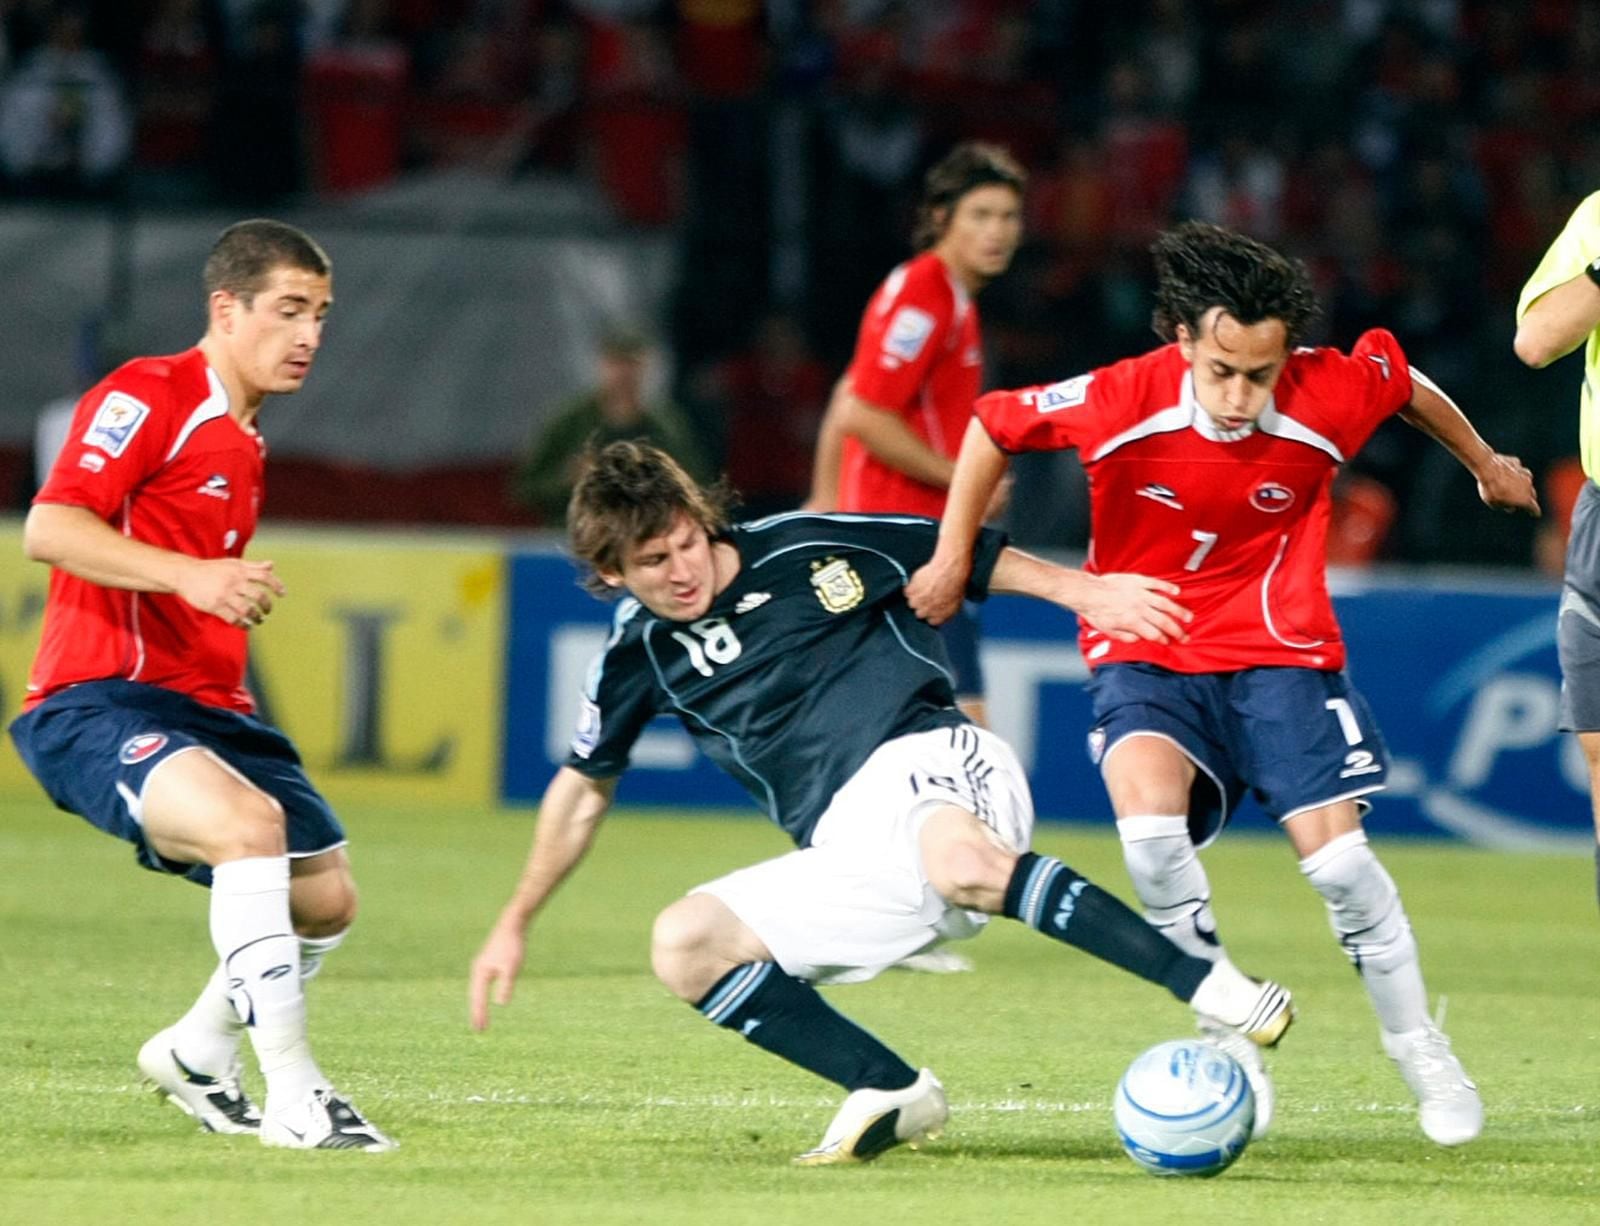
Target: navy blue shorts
pixel 1294 738
pixel 93 746
pixel 961 634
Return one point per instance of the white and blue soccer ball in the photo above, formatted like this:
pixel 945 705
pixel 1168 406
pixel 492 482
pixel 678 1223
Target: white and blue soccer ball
pixel 1184 1108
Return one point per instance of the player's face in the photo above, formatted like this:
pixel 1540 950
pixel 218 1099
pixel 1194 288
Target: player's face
pixel 982 233
pixel 272 340
pixel 1235 365
pixel 674 575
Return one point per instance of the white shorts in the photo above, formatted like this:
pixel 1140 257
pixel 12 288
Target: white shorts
pixel 857 900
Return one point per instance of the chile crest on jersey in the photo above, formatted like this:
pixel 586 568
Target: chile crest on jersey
pixel 1271 497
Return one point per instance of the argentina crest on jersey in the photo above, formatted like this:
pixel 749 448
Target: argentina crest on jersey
pixel 837 585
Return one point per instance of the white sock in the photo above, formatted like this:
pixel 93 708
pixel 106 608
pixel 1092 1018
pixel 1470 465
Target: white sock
pixel 255 939
pixel 1365 911
pixel 207 1036
pixel 1170 882
pixel 314 949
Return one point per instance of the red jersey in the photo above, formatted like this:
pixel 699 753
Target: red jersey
pixel 153 451
pixel 1238 520
pixel 918 355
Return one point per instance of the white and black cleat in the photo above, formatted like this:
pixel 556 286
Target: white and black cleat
pixel 322 1120
pixel 873 1121
pixel 217 1104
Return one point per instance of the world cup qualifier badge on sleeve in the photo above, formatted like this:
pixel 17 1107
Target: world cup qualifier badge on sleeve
pixel 115 423
pixel 908 331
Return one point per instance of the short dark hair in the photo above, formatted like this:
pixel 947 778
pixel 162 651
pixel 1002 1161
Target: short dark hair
pixel 630 491
pixel 1200 266
pixel 969 165
pixel 248 252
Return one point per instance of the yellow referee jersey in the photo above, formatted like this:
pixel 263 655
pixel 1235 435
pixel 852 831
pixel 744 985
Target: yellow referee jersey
pixel 1575 247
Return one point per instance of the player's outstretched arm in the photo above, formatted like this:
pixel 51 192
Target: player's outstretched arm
pixel 79 542
pixel 1504 482
pixel 569 815
pixel 1122 606
pixel 935 591
pixel 1558 321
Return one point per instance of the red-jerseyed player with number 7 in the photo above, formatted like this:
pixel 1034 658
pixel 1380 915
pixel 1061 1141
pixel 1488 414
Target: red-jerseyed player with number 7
pixel 1209 462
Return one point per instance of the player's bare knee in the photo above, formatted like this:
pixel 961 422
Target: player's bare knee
pixel 680 946
pixel 325 911
pixel 968 871
pixel 256 827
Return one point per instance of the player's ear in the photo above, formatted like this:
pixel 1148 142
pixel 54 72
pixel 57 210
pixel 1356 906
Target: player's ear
pixel 610 578
pixel 1185 339
pixel 220 308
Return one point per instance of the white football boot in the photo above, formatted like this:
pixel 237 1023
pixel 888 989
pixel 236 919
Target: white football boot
pixel 217 1103
pixel 1241 1015
pixel 321 1120
pixel 1249 1057
pixel 872 1121
pixel 1258 1009
pixel 1448 1105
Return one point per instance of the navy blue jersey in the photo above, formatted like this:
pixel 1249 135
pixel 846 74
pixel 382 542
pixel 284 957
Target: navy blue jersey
pixel 805 664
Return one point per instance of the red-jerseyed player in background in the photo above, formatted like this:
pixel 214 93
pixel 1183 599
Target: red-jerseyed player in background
pixel 137 716
pixel 1209 462
pixel 897 417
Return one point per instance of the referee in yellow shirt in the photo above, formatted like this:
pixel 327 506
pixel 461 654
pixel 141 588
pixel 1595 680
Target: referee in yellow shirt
pixel 1558 311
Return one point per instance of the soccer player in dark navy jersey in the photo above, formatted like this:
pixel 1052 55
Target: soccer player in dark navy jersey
pixel 137 715
pixel 786 648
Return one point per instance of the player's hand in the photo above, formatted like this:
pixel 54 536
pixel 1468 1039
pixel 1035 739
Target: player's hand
pixel 1132 607
pixel 239 592
pixel 497 965
pixel 1506 484
pixel 935 591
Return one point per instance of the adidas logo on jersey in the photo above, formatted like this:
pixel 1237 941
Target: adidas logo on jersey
pixel 751 601
pixel 1164 494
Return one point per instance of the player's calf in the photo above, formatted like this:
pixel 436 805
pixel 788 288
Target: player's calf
pixel 1170 881
pixel 789 1018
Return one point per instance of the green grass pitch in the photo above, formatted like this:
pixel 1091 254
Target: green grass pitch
pixel 596 1098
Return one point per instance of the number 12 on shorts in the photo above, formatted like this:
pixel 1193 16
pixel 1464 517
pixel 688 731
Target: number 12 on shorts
pixel 1347 719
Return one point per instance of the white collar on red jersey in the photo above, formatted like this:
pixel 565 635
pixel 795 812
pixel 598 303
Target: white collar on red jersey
pixel 1271 421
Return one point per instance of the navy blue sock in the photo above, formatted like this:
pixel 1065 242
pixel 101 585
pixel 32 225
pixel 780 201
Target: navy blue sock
pixel 1047 895
pixel 789 1018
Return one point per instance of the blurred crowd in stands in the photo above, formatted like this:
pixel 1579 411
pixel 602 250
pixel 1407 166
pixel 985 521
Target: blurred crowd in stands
pixel 1417 154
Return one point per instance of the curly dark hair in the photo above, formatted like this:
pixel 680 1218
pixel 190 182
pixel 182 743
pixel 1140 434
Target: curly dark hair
pixel 970 165
pixel 1200 266
pixel 629 492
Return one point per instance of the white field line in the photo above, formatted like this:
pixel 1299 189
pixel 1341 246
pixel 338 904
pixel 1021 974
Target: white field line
pixel 749 1102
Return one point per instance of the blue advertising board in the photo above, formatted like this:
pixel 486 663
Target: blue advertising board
pixel 1462 678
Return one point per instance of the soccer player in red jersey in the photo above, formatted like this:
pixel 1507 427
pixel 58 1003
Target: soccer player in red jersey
pixel 137 716
pixel 1209 462
pixel 897 417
